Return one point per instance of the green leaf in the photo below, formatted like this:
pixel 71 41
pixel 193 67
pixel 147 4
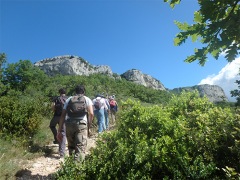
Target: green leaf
pixel 172 3
pixel 182 26
pixel 197 17
pixel 194 37
pixel 177 41
pixel 190 59
pixel 215 53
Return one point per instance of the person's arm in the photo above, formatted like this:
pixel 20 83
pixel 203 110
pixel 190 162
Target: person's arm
pixel 60 126
pixel 53 106
pixel 108 105
pixel 90 114
pixel 105 105
pixel 116 107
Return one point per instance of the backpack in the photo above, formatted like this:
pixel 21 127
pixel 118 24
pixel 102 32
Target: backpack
pixel 59 103
pixel 77 106
pixel 112 103
pixel 98 104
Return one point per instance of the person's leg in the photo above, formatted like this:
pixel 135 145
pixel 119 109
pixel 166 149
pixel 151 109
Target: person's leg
pixel 81 142
pixel 62 144
pixel 53 123
pixel 99 118
pixel 70 132
pixel 103 119
pixel 113 116
pixel 106 119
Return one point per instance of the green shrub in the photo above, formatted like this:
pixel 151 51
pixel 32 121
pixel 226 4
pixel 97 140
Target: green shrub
pixel 21 115
pixel 189 138
pixel 70 170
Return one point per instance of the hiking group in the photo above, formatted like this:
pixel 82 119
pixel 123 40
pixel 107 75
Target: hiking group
pixel 74 116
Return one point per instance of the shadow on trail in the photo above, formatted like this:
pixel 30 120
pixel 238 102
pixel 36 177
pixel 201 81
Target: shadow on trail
pixel 25 174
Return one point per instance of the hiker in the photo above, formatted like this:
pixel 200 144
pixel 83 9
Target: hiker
pixel 57 106
pixel 99 105
pixel 79 111
pixel 106 111
pixel 113 108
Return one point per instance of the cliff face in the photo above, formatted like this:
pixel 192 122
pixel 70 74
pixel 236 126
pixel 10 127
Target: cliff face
pixel 138 77
pixel 213 92
pixel 74 65
pixel 71 65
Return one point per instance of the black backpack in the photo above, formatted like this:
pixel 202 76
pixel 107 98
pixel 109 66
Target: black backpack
pixel 77 107
pixel 59 103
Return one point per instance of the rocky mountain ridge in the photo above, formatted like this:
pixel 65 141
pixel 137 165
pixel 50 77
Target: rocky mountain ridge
pixel 75 65
pixel 213 92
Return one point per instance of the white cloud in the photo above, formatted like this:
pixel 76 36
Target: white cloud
pixel 226 78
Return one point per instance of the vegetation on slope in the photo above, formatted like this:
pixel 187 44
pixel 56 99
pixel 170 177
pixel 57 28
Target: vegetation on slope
pixel 25 106
pixel 189 138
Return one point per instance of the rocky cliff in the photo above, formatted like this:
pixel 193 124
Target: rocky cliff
pixel 71 65
pixel 213 92
pixel 138 77
pixel 74 65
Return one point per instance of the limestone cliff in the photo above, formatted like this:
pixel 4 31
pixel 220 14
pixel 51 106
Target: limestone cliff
pixel 213 92
pixel 74 65
pixel 138 77
pixel 71 65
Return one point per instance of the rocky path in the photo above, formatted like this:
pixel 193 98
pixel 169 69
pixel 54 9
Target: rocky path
pixel 44 167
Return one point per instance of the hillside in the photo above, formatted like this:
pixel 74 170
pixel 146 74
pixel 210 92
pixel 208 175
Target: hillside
pixel 74 65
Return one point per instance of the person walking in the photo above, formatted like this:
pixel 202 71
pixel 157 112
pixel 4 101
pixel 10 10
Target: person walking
pixel 57 107
pixel 113 108
pixel 106 112
pixel 99 106
pixel 79 112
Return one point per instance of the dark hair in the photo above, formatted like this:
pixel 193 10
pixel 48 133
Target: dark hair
pixel 98 95
pixel 80 89
pixel 62 91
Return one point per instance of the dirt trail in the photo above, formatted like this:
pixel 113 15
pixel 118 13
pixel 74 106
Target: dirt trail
pixel 44 167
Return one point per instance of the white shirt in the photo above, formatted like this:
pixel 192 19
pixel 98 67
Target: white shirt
pixel 102 101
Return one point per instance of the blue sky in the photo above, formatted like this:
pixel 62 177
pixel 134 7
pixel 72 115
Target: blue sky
pixel 123 34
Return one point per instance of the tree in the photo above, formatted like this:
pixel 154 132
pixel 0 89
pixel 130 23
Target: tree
pixel 3 60
pixel 236 93
pixel 20 75
pixel 217 26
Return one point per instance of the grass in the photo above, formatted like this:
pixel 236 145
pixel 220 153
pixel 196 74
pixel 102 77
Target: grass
pixel 12 159
pixel 15 154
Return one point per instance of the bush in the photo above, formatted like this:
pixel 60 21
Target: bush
pixel 189 138
pixel 21 115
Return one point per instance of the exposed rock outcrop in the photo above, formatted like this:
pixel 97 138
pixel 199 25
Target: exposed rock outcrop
pixel 213 92
pixel 71 65
pixel 74 65
pixel 138 77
